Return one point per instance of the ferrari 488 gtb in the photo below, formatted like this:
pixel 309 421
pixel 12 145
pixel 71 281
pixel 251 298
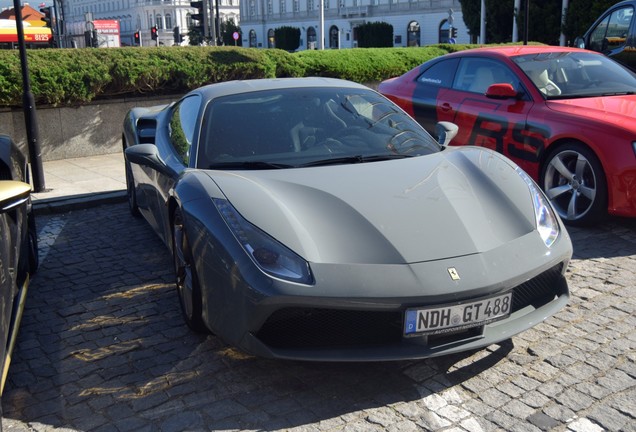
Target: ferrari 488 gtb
pixel 313 219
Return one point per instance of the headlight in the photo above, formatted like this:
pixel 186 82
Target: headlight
pixel 547 223
pixel 270 255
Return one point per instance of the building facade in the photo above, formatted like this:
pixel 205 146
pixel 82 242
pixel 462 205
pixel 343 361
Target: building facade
pixel 139 15
pixel 415 22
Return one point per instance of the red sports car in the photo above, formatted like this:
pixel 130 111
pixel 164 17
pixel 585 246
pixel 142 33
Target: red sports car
pixel 567 116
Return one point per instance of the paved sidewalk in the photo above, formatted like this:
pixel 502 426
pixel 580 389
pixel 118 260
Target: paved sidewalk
pixel 70 183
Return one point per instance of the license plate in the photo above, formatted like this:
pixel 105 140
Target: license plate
pixel 444 319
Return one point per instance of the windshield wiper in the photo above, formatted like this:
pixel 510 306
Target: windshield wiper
pixel 249 165
pixel 354 159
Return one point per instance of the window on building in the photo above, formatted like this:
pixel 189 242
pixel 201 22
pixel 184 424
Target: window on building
pixel 296 5
pixel 311 38
pixel 159 22
pixel 334 39
pixel 168 21
pixel 189 20
pixel 252 39
pixel 413 34
pixel 310 5
pixel 271 40
pixel 443 35
pixel 270 7
pixel 283 6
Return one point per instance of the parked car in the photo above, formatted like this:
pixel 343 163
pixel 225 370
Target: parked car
pixel 614 34
pixel 18 246
pixel 312 219
pixel 565 115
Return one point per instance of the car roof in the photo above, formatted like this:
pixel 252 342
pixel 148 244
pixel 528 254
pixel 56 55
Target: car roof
pixel 212 91
pixel 515 50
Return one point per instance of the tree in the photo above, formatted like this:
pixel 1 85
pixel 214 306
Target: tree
pixel 195 36
pixel 227 30
pixel 582 14
pixel 375 34
pixel 545 19
pixel 287 38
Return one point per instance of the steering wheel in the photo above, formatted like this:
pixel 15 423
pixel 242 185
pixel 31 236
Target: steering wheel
pixel 333 145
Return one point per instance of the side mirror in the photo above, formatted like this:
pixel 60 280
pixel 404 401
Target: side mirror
pixel 13 194
pixel 146 155
pixel 501 91
pixel 579 42
pixel 446 131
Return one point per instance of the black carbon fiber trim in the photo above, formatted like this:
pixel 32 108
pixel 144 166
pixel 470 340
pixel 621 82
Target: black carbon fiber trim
pixel 293 328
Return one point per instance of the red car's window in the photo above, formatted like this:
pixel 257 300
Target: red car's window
pixel 440 74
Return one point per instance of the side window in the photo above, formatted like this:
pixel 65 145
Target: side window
pixel 477 74
pixel 183 126
pixel 440 74
pixel 612 32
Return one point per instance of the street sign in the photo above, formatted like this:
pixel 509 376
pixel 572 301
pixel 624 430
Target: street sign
pixel 235 35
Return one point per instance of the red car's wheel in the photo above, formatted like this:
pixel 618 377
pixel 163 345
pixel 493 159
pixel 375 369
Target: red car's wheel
pixel 574 181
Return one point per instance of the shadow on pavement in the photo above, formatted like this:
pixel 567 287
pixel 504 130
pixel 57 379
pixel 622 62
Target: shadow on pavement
pixel 103 347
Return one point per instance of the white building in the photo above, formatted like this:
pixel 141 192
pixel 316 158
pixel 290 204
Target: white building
pixel 140 15
pixel 415 22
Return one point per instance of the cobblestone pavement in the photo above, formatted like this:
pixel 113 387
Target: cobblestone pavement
pixel 103 348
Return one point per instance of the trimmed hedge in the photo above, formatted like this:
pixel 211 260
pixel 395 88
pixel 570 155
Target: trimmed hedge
pixel 76 76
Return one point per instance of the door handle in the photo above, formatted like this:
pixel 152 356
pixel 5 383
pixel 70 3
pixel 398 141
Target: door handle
pixel 446 107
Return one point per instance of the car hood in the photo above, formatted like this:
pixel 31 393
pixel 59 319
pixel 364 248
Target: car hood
pixel 457 202
pixel 618 110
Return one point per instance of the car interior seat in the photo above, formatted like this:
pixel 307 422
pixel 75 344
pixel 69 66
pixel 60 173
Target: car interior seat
pixel 484 78
pixel 544 83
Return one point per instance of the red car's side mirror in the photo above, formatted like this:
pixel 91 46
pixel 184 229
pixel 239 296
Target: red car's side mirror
pixel 501 91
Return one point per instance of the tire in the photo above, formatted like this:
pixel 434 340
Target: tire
pixel 573 179
pixel 187 282
pixel 131 192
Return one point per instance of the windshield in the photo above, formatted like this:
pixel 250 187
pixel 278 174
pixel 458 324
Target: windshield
pixel 565 75
pixel 288 128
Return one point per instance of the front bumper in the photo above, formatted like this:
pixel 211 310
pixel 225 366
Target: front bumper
pixel 344 331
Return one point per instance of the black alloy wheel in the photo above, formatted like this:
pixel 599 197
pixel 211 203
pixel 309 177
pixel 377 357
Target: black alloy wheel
pixel 131 192
pixel 188 287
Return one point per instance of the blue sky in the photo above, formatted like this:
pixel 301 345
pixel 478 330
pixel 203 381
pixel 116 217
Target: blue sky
pixel 34 4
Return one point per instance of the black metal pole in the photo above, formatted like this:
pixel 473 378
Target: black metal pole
pixel 217 25
pixel 28 101
pixel 527 24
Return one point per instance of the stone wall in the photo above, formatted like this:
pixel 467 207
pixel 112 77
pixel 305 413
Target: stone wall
pixel 70 132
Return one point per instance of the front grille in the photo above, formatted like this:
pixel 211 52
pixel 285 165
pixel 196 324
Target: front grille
pixel 539 290
pixel 293 328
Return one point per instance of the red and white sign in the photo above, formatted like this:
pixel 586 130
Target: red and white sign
pixel 107 33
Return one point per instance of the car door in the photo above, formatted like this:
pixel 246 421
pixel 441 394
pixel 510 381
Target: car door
pixel 174 142
pixel 431 86
pixel 614 34
pixel 498 123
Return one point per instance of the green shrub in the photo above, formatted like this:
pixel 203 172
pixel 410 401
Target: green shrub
pixel 75 76
pixel 366 64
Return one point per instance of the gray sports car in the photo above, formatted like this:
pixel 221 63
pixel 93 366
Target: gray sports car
pixel 313 219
